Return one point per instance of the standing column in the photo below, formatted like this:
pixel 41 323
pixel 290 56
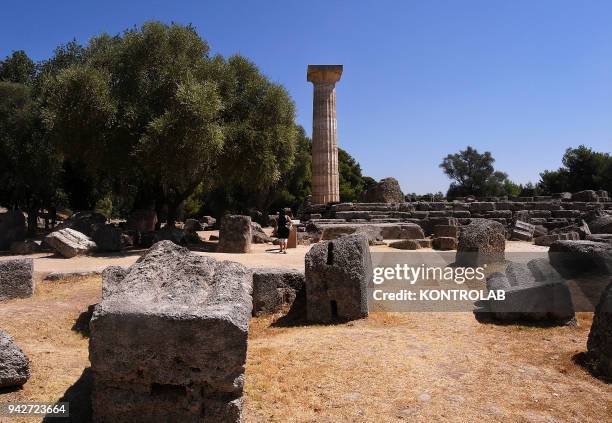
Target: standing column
pixel 325 177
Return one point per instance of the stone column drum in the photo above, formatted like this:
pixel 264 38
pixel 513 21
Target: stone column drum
pixel 325 178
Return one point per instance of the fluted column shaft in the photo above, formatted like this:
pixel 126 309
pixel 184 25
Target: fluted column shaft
pixel 325 177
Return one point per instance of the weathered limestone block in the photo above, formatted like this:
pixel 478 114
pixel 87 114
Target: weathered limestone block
pixel 169 339
pixel 84 222
pixel 274 289
pixel 575 257
pixel 16 279
pixel 600 238
pixel 446 231
pixel 235 234
pixel 411 244
pixel 599 344
pixel 14 365
pixel 70 243
pixel 258 234
pixel 12 228
pixel 385 191
pixel 601 224
pixel 522 231
pixel 547 240
pixel 386 230
pixel 337 276
pixel 479 207
pixel 444 243
pixel 587 196
pixel 533 292
pixel 482 241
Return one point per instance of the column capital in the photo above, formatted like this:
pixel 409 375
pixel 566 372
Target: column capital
pixel 326 74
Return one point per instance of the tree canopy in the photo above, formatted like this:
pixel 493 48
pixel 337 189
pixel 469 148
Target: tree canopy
pixel 582 169
pixel 148 118
pixel 473 174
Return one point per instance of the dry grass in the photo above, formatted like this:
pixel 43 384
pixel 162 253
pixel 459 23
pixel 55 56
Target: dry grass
pixel 390 367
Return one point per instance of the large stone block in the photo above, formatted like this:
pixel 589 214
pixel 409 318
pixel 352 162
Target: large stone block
pixel 444 243
pixel 235 234
pixel 601 224
pixel 85 222
pixel 576 257
pixel 586 196
pixel 385 191
pixel 169 339
pixel 16 279
pixel 522 231
pixel 386 230
pixel 533 292
pixel 599 344
pixel 482 241
pixel 70 243
pixel 274 289
pixel 14 365
pixel 12 228
pixel 337 276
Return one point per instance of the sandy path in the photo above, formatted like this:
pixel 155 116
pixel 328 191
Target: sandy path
pixel 262 255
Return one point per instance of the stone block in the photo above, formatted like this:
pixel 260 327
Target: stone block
pixel 70 243
pixel 235 234
pixel 599 343
pixel 16 279
pixel 522 231
pixel 274 289
pixel 14 365
pixel 446 231
pixel 444 243
pixel 169 339
pixel 482 241
pixel 534 292
pixel 337 276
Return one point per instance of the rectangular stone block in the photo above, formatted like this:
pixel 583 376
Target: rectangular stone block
pixel 337 276
pixel 16 279
pixel 169 339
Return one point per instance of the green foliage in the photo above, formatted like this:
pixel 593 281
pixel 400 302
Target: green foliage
pixel 147 118
pixel 473 174
pixel 29 164
pixel 18 68
pixel 582 169
pixel 352 182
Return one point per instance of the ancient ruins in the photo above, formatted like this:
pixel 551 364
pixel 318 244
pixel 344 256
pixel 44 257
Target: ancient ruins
pixel 325 176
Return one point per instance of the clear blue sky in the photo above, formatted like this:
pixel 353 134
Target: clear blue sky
pixel 524 79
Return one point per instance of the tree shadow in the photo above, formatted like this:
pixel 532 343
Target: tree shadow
pixel 81 324
pixel 9 389
pixel 78 396
pixel 589 363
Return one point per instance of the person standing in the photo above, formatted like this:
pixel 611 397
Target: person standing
pixel 282 230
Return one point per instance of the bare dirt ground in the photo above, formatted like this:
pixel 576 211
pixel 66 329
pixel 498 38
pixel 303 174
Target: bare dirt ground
pixel 417 367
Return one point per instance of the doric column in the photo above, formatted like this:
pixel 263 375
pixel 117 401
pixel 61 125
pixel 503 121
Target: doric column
pixel 325 178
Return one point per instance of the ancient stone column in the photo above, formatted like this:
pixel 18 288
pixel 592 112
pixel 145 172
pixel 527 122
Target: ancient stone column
pixel 325 178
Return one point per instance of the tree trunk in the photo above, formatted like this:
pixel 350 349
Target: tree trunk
pixel 32 222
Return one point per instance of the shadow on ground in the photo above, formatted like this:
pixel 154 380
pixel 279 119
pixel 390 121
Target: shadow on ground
pixel 586 362
pixel 78 396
